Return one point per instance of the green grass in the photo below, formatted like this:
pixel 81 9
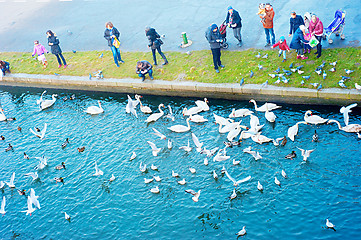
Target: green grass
pixel 198 66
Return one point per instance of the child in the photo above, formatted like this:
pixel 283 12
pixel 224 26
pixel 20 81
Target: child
pixel 40 51
pixel 283 47
pixel 262 11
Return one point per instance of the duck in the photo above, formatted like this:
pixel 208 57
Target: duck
pixel 259 186
pixel 181 128
pixel 9 148
pixel 354 128
pixel 48 103
pixel 292 131
pixel 66 216
pixel 203 104
pixel 191 111
pixel 134 155
pixel 291 156
pixel 182 182
pixel 2 115
pixel 26 156
pixel 81 149
pixel 143 109
pixel 315 137
pixel 22 192
pixel 239 113
pixel 314 119
pixel 61 166
pixel 19 128
pixel 157 178
pixel 197 118
pixel 155 116
pixel 60 179
pixel 2 137
pixel 93 110
pixel 64 144
pixel 284 141
pixel 263 108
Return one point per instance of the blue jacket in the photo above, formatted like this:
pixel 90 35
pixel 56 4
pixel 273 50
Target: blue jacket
pixel 236 19
pixel 107 35
pixel 212 37
pixel 297 40
pixel 295 23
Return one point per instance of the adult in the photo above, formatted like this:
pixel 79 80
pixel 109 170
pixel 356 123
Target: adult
pixel 298 40
pixel 53 42
pixel 234 21
pixel 4 67
pixel 143 68
pixel 295 22
pixel 214 38
pixel 112 35
pixel 316 29
pixel 154 43
pixel 307 20
pixel 268 24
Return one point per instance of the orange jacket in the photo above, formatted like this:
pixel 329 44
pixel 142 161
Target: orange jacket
pixel 268 23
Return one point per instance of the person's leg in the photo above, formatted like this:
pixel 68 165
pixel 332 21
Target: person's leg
pixel 266 31
pixel 319 46
pixel 58 58
pixel 272 35
pixel 151 73
pixel 219 58
pixel 62 58
pixel 237 34
pixel 279 53
pixel 214 55
pixel 154 57
pixel 142 76
pixel 162 55
pixel 284 55
pixel 118 55
pixel 114 51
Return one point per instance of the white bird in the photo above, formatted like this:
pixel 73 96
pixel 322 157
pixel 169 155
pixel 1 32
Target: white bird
pixel 191 111
pixel 358 135
pixel 170 144
pixel 41 98
pixel 197 118
pixel 215 176
pixel 2 209
pixel 242 232
pixel 283 174
pixel 131 105
pixel 235 162
pixel 349 128
pixel 228 127
pixel 192 170
pixel 34 175
pixel 195 194
pixel 197 143
pixel 345 111
pixel 153 167
pixel 255 155
pixel 235 183
pixel 329 224
pixel 221 120
pixel 93 110
pixel 2 184
pixel 2 115
pixel 259 186
pixel 155 116
pixel 233 133
pixel 182 182
pixel 254 121
pixel 174 174
pixel 239 113
pixel 186 148
pixel 203 104
pixel 258 138
pixel 277 182
pixel 43 163
pixel 40 134
pixel 206 162
pixel 143 109
pixel 305 153
pixel 66 216
pixel 270 116
pixel 30 209
pixel 98 172
pixel 112 178
pixel 142 167
pixel 292 131
pixel 155 190
pixel 157 133
pixel 157 178
pixel 221 156
pixel 34 198
pixel 314 119
pixel 263 108
pixel 148 180
pixel 48 103
pixel 170 114
pixel 180 128
pixel 234 194
pixel 134 155
pixel 155 150
pixel 11 183
pixel 358 87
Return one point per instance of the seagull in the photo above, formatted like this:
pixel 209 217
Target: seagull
pixel 157 178
pixel 259 186
pixel 43 163
pixel 2 209
pixel 333 63
pixel 234 194
pixel 349 71
pixel 98 172
pixel 148 180
pixel 170 144
pixel 112 178
pixel 34 199
pixel 255 154
pixel 155 190
pixel 67 217
pixel 131 105
pixel 305 153
pixel 195 194
pixel 283 173
pixel 330 224
pixel 2 184
pixel 242 232
pixel 30 207
pixel 134 155
pixel 186 148
pixel 345 111
pixel 215 176
pixel 34 175
pixel 41 98
pixel 174 174
pixel 277 182
pixel 11 183
pixel 197 143
pixel 157 133
pixel 142 167
pixel 192 170
pixel 40 135
pixel 235 183
pixel 153 167
pixel 235 162
pixel 155 150
pixel 221 156
pixel 182 182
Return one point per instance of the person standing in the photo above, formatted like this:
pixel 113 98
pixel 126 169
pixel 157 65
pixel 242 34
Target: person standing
pixel 214 38
pixel 154 43
pixel 112 35
pixel 234 21
pixel 268 25
pixel 307 20
pixel 295 22
pixel 298 41
pixel 53 42
pixel 316 29
pixel 144 67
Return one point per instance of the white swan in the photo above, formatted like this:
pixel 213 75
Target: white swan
pixel 263 108
pixel 180 128
pixel 270 116
pixel 191 111
pixel 143 109
pixel 197 142
pixel 233 133
pixel 221 120
pixel 41 98
pixel 258 138
pixel 203 104
pixel 94 109
pixel 314 119
pixel 228 127
pixel 48 103
pixel 239 113
pixel 346 110
pixel 292 131
pixel 197 118
pixel 155 116
pixel 131 105
pixel 2 115
pixel 348 128
pixel 2 209
pixel 155 150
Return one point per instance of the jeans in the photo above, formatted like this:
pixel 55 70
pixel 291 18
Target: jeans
pixel 269 31
pixel 216 52
pixel 150 72
pixel 319 46
pixel 160 53
pixel 282 52
pixel 299 52
pixel 237 33
pixel 58 56
pixel 116 55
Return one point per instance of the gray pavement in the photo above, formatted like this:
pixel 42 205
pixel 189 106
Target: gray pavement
pixel 80 23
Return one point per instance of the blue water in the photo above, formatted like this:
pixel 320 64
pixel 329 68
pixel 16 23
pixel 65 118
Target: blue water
pixel 327 186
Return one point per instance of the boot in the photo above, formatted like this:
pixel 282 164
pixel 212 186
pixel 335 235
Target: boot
pixel 165 59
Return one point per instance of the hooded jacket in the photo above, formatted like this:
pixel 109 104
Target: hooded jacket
pixel 283 46
pixel 297 40
pixel 212 37
pixel 268 19
pixel 236 19
pixel 316 28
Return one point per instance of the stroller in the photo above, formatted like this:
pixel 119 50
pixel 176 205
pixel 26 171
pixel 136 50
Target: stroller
pixel 336 26
pixel 223 32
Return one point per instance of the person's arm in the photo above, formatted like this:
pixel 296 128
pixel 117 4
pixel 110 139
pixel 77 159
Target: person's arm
pixel 275 45
pixel 227 18
pixel 291 27
pixel 209 37
pixel 34 52
pixel 116 33
pixel 106 35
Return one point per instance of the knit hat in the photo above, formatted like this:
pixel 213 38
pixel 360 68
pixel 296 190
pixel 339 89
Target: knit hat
pixel 229 8
pixel 282 38
pixel 302 27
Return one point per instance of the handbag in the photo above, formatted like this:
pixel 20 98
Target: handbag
pixel 313 42
pixel 116 43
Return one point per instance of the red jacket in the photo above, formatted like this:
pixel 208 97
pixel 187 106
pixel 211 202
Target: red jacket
pixel 268 19
pixel 316 28
pixel 283 45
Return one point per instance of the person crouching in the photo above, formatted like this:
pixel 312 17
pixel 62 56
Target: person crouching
pixel 144 67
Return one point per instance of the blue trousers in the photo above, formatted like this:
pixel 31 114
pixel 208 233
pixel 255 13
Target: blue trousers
pixel 116 55
pixel 150 72
pixel 269 31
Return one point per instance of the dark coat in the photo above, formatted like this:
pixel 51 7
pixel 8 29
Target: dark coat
pixel 55 49
pixel 108 33
pixel 297 40
pixel 5 67
pixel 236 19
pixel 146 66
pixel 296 23
pixel 154 38
pixel 212 37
